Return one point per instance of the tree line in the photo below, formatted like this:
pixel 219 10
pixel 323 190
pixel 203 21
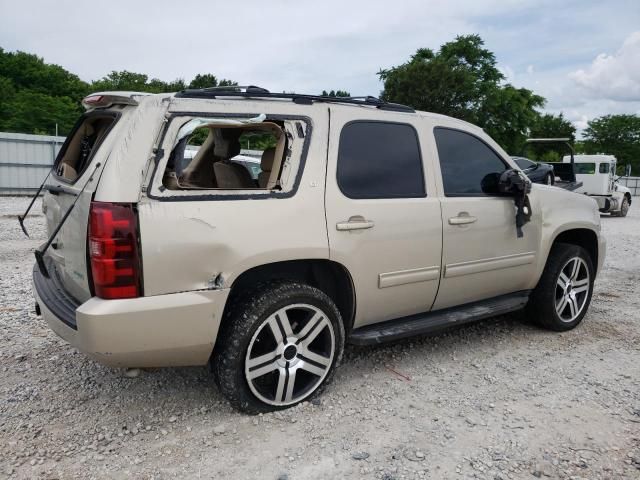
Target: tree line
pixel 461 79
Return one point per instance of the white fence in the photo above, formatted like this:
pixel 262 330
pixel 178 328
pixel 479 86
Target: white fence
pixel 25 160
pixel 632 183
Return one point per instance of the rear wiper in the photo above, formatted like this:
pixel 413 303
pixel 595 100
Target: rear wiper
pixel 33 200
pixel 39 252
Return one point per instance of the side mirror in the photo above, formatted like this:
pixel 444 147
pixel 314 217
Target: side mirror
pixel 512 182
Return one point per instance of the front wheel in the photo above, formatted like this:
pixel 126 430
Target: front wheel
pixel 563 294
pixel 624 208
pixel 279 346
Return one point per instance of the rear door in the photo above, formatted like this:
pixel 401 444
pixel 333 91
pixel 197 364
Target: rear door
pixel 482 256
pixel 383 218
pixel 82 151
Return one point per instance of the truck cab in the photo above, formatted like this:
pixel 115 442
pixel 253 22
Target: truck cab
pixel 598 176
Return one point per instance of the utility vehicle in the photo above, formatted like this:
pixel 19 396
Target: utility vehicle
pixel 367 222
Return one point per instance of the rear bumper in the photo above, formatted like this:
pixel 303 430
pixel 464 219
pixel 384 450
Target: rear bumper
pixel 166 330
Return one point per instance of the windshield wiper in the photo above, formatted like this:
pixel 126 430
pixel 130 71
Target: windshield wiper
pixel 39 252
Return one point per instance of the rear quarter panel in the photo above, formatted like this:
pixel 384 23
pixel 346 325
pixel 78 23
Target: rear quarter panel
pixel 191 244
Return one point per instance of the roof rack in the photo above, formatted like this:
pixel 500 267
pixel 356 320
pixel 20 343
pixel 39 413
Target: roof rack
pixel 251 91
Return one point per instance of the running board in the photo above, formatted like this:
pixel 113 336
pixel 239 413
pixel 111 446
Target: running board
pixel 430 322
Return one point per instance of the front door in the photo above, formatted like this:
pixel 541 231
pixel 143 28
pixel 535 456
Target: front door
pixel 383 217
pixel 482 256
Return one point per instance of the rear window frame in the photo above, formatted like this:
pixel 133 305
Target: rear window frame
pixel 63 150
pixel 256 194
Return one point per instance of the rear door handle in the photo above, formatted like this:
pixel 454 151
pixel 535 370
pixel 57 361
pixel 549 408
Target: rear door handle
pixel 463 218
pixel 356 222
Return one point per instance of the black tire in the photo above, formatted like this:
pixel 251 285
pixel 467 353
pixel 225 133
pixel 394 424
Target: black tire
pixel 548 295
pixel 246 323
pixel 549 179
pixel 624 208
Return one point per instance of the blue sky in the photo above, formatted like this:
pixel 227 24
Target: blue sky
pixel 583 56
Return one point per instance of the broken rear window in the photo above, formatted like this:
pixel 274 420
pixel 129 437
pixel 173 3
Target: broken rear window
pixel 228 154
pixel 82 144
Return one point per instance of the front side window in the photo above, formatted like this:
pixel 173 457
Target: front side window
pixel 380 160
pixel 604 168
pixel 465 161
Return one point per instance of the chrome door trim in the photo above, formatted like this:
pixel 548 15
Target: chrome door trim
pixel 488 264
pixel 403 277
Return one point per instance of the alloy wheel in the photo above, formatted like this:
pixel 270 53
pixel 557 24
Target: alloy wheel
pixel 290 354
pixel 572 289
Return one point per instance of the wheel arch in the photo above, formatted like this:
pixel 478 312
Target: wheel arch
pixel 582 237
pixel 331 277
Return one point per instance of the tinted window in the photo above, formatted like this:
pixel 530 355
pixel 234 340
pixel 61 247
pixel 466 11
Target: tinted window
pixel 380 160
pixel 604 168
pixel 465 161
pixel 523 163
pixel 584 168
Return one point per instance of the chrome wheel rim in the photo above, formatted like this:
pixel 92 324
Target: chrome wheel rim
pixel 572 289
pixel 290 354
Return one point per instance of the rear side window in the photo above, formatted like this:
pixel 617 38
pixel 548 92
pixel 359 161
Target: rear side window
pixel 604 168
pixel 380 160
pixel 81 145
pixel 584 168
pixel 465 161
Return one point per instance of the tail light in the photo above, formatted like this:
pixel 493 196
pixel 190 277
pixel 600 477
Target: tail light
pixel 113 250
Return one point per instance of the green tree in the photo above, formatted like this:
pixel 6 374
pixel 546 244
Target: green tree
pixel 550 126
pixel 135 82
pixel 35 96
pixel 35 112
pixel 462 80
pixel 335 93
pixel 617 135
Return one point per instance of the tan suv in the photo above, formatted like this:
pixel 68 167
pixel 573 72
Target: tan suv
pixel 259 232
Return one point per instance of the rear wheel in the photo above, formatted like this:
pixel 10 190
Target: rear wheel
pixel 280 346
pixel 549 179
pixel 563 294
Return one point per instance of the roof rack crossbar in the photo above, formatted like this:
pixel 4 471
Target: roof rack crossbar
pixel 252 91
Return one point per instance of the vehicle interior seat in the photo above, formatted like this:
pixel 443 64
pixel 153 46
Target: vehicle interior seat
pixel 229 174
pixel 266 164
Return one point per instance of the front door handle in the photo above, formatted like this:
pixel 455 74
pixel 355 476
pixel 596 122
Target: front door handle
pixel 356 222
pixel 463 218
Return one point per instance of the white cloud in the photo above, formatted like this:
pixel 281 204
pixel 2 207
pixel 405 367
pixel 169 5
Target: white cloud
pixel 530 69
pixel 613 77
pixel 509 74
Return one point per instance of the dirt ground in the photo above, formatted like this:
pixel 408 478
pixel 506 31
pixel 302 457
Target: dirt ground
pixel 496 400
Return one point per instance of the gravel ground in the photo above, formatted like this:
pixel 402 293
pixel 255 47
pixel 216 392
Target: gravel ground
pixel 496 400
